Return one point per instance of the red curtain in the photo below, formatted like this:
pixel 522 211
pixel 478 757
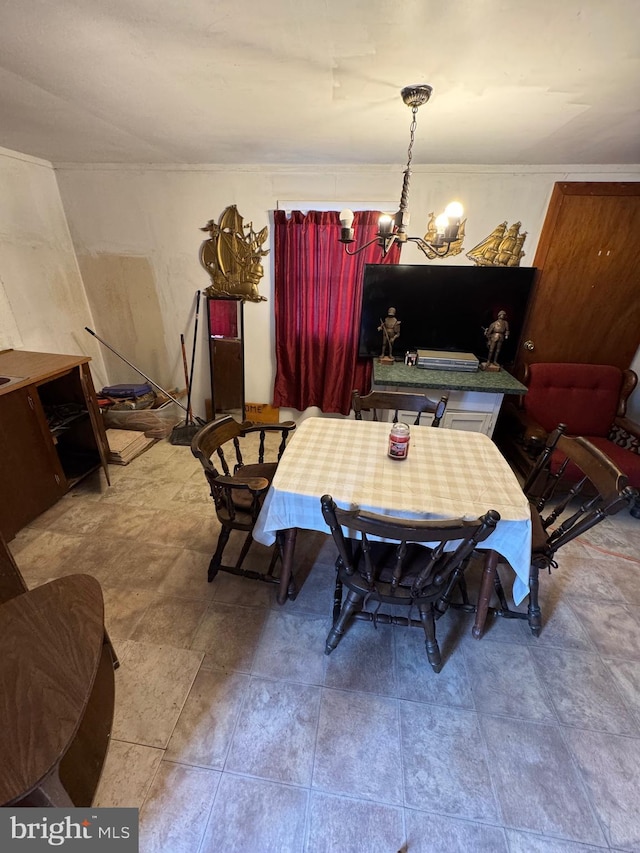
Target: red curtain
pixel 318 293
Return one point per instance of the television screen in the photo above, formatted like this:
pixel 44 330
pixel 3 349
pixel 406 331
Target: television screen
pixel 443 307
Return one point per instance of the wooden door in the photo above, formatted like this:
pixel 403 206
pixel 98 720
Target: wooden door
pixel 586 302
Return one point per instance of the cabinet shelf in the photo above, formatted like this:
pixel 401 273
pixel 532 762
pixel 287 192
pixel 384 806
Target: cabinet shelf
pixel 60 423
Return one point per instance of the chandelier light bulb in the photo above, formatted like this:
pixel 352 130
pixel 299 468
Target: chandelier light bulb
pixel 442 223
pixel 454 210
pixel 385 224
pixel 346 218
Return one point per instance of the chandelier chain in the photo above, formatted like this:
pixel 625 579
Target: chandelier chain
pixel 412 133
pixel 404 196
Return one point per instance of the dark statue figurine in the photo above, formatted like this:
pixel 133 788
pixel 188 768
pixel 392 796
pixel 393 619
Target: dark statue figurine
pixel 390 328
pixel 495 334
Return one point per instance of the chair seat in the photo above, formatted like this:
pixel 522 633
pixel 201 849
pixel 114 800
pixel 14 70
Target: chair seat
pixel 243 500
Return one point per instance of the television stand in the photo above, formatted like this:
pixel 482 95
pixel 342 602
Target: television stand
pixel 474 397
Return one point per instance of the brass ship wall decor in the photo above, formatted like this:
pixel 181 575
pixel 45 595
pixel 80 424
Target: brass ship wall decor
pixel 432 237
pixel 232 257
pixel 502 248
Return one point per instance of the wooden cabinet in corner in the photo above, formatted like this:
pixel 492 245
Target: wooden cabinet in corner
pixel 51 432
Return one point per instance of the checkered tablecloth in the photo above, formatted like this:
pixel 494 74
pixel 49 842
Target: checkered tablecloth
pixel 447 474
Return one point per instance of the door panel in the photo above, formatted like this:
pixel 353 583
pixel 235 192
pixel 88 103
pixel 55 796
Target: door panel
pixel 586 302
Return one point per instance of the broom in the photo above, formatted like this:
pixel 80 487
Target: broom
pixel 199 421
pixel 183 434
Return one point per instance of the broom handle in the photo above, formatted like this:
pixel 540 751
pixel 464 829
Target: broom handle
pixel 137 369
pixel 186 373
pixel 193 353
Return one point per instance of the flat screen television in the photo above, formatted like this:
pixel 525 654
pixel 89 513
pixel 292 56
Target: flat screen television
pixel 443 307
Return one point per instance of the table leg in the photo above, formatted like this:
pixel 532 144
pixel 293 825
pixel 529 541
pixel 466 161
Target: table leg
pixel 286 589
pixel 486 590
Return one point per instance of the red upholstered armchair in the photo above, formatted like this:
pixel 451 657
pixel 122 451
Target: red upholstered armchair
pixel 591 399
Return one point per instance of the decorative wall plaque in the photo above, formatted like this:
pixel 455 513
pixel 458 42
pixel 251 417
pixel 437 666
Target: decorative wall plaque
pixel 232 256
pixel 502 248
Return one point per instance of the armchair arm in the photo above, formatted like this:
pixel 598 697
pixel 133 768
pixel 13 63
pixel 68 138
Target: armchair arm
pixel 256 485
pixel 628 426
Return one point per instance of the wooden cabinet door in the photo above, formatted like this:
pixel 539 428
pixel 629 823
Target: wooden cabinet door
pixel 31 480
pixel 586 302
pixel 97 424
pixel 228 374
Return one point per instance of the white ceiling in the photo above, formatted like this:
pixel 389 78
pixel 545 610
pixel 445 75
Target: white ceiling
pixel 318 81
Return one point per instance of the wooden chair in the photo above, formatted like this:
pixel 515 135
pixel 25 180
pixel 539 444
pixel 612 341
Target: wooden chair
pixel 397 401
pixel 398 571
pixel 238 487
pixel 561 510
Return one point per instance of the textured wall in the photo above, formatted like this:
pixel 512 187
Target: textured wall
pixel 43 305
pixel 124 220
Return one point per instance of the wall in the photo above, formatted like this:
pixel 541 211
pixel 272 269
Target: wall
pixel 43 306
pixel 136 234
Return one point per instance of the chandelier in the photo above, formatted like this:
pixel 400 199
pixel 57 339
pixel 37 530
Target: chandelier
pixel 394 229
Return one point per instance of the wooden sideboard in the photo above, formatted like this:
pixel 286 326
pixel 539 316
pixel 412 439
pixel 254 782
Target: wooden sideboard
pixel 51 432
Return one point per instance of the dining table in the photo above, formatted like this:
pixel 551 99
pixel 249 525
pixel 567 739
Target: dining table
pixel 447 474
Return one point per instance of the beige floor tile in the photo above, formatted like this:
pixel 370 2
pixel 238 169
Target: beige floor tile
pixel 175 813
pixel 127 775
pixel 229 636
pixel 355 729
pixel 43 554
pixel 275 734
pixel 126 522
pixel 152 685
pixel 251 814
pixel 445 768
pixel 187 576
pixel 141 565
pixel 170 621
pixel 124 608
pixel 203 732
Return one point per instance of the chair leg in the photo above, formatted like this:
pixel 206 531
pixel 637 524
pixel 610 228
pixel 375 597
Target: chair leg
pixel 484 596
pixel 216 560
pixel 534 613
pixel 431 644
pixel 499 589
pixel 457 579
pixel 248 542
pixel 337 599
pixel 350 606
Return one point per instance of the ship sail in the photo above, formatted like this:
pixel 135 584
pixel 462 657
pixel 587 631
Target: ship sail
pixel 502 248
pixel 485 252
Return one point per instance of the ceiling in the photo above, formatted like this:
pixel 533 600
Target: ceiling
pixel 318 81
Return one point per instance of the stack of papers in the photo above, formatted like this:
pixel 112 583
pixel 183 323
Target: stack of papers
pixel 126 444
pixel 444 360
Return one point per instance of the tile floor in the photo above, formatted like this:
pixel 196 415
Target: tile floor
pixel 234 732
